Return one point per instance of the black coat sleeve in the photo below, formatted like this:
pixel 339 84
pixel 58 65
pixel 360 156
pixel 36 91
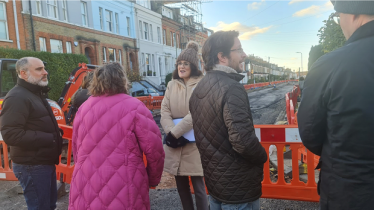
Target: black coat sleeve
pixel 312 113
pixel 239 123
pixel 13 121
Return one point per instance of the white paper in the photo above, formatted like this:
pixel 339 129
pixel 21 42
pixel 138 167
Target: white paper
pixel 189 135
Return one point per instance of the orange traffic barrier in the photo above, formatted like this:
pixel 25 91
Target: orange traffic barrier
pixel 278 135
pixel 66 170
pixel 6 172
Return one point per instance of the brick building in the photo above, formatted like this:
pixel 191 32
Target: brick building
pixel 70 27
pixel 11 26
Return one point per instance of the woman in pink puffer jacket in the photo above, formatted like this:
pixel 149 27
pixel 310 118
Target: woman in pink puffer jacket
pixel 111 132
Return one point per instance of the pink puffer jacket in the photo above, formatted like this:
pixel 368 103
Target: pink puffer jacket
pixel 110 135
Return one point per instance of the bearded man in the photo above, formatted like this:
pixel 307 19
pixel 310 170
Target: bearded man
pixel 29 127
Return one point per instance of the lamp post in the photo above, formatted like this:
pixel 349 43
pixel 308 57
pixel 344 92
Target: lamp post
pixel 301 63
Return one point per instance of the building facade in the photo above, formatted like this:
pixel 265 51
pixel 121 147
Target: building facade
pixel 75 27
pixel 148 34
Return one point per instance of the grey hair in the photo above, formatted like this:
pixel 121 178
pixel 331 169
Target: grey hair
pixel 22 65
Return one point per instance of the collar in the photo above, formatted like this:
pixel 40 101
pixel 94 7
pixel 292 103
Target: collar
pixel 367 30
pixel 191 82
pixel 33 88
pixel 230 72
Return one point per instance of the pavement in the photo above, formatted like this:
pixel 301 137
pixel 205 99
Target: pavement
pixel 266 104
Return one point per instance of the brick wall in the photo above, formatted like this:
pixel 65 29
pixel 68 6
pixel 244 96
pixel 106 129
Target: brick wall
pixel 89 39
pixel 11 26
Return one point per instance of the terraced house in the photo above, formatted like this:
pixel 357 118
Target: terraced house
pixel 101 30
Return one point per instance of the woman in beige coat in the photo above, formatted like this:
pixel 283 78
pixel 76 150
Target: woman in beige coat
pixel 182 158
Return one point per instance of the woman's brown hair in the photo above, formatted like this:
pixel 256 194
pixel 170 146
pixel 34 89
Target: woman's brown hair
pixel 194 71
pixel 109 79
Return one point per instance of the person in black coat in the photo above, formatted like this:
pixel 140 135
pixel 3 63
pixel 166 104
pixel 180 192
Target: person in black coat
pixel 29 127
pixel 336 115
pixel 79 97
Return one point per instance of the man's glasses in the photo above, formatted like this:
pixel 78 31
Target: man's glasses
pixel 336 17
pixel 239 50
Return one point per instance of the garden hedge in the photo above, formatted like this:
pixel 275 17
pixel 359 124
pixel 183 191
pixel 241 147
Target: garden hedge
pixel 59 66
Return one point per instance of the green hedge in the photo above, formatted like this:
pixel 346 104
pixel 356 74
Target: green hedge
pixel 59 66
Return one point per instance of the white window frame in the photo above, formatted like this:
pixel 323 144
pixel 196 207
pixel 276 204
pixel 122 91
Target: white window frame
pixel 64 7
pixel 68 47
pixel 128 26
pixel 151 32
pixel 52 4
pixel 166 65
pixel 153 66
pixel 171 39
pixel 159 35
pixel 148 65
pixel 143 64
pixel 174 41
pixel 42 40
pixel 104 55
pixel 120 56
pixel 109 22
pixel 164 36
pixel 114 54
pixel 141 29
pixel 5 21
pixel 60 45
pixel 84 14
pixel 146 33
pixel 38 5
pixel 116 17
pixel 101 16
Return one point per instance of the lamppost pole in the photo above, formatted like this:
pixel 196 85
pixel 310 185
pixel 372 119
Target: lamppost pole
pixel 301 63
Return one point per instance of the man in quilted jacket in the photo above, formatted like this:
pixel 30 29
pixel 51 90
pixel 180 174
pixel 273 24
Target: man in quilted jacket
pixel 231 154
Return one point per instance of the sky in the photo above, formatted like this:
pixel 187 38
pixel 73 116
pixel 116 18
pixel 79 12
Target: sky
pixel 275 29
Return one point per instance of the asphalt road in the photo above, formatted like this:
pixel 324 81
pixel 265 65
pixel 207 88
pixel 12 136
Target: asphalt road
pixel 266 104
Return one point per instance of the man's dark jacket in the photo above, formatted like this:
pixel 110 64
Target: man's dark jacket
pixel 231 154
pixel 29 126
pixel 336 121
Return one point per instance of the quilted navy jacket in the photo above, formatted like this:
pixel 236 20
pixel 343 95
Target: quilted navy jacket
pixel 231 155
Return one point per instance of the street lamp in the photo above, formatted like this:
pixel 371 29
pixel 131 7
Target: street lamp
pixel 301 62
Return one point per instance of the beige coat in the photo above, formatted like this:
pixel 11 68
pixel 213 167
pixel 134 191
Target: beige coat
pixel 182 161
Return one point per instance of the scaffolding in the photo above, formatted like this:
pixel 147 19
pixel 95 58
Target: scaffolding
pixel 191 17
pixel 188 8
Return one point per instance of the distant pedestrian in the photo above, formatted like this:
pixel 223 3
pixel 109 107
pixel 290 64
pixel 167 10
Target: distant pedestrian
pixel 182 157
pixel 82 94
pixel 29 127
pixel 79 97
pixel 336 114
pixel 111 132
pixel 231 154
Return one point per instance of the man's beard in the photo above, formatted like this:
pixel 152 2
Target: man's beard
pixel 236 66
pixel 36 81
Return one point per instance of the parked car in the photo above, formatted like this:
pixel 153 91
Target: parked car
pixel 145 92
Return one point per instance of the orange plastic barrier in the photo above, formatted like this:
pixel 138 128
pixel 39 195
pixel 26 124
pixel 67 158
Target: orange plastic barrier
pixel 6 172
pixel 66 170
pixel 151 102
pixel 291 101
pixel 278 135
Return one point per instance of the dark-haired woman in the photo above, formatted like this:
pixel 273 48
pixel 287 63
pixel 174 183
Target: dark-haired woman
pixel 182 158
